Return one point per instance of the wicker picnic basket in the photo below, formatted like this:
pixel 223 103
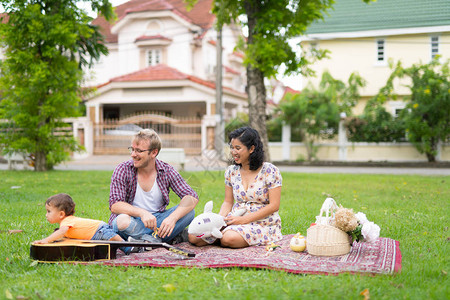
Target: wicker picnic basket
pixel 326 240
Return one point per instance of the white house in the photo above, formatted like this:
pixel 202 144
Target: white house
pixel 162 61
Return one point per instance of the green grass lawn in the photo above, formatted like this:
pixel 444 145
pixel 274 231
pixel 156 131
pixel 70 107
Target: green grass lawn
pixel 411 209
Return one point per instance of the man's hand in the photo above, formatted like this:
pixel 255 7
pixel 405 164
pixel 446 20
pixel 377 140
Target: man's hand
pixel 166 227
pixel 148 219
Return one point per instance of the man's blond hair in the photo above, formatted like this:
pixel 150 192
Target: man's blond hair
pixel 151 136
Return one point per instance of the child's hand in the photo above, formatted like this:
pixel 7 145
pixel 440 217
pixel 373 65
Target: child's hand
pixel 44 241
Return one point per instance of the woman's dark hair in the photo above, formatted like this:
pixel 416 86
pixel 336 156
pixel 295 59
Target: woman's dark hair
pixel 250 137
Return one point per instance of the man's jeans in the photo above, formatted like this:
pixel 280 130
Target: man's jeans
pixel 136 228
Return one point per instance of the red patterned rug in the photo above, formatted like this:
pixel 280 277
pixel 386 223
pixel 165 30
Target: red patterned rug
pixel 381 257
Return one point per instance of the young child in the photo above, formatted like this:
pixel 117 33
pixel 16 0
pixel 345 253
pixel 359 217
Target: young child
pixel 60 209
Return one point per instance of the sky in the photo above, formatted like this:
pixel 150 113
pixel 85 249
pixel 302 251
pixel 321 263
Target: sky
pixel 86 5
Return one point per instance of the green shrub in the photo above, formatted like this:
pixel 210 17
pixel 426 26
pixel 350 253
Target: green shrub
pixel 235 123
pixel 274 130
pixel 375 125
pixel 274 127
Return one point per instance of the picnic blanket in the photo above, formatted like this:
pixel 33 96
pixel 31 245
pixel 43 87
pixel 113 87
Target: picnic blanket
pixel 380 257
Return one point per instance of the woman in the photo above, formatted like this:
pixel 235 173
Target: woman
pixel 254 185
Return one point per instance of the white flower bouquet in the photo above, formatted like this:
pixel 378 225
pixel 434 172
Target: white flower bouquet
pixel 356 225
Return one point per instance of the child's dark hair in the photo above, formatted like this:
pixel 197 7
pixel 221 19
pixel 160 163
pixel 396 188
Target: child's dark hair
pixel 250 137
pixel 62 202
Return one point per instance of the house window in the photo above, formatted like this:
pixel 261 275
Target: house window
pixel 153 57
pixel 434 46
pixel 397 112
pixel 381 51
pixel 312 50
pixel 154 27
pixel 396 107
pixel 211 70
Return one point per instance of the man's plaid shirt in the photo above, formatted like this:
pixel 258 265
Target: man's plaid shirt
pixel 124 183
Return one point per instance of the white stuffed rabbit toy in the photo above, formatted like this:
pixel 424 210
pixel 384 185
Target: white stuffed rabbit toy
pixel 208 223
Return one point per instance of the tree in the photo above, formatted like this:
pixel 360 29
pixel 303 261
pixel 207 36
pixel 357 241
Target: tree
pixel 315 113
pixel 427 113
pixel 271 25
pixel 46 44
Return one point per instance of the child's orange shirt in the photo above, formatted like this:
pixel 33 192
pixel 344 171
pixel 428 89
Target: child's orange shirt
pixel 80 228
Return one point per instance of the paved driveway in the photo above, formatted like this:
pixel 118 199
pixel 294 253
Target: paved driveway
pixel 367 170
pixel 109 162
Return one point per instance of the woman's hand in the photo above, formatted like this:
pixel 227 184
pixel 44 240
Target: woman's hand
pixel 236 220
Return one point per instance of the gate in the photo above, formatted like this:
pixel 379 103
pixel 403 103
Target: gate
pixel 113 136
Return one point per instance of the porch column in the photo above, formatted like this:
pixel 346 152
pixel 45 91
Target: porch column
pixel 208 128
pixel 439 151
pixel 97 113
pixel 342 138
pixel 286 141
pixel 83 130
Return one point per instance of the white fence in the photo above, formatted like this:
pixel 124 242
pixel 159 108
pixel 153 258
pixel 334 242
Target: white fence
pixel 355 152
pixel 343 150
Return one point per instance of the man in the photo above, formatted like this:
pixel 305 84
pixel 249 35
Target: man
pixel 140 194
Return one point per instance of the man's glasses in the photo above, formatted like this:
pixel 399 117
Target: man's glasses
pixel 138 151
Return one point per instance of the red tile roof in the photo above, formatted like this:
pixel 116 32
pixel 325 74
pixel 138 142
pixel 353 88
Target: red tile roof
pixel 4 17
pixel 289 90
pixel 152 37
pixel 158 72
pixel 162 72
pixel 238 54
pixel 199 15
pixel 271 102
pixel 231 70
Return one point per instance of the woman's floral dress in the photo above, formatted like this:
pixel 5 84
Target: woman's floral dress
pixel 265 230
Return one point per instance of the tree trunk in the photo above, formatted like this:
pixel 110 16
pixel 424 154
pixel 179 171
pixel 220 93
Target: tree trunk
pixel 40 161
pixel 311 151
pixel 257 106
pixel 430 155
pixel 255 85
